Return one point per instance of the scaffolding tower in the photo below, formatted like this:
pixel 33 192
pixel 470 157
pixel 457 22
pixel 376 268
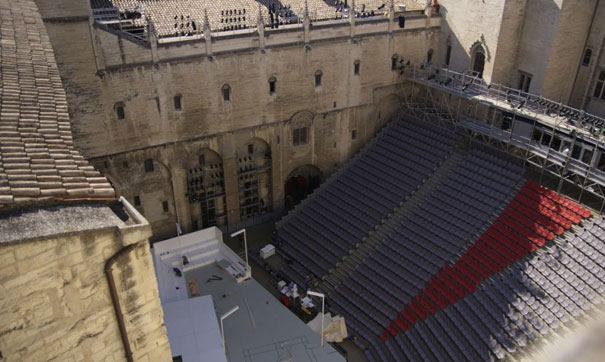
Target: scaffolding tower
pixel 557 141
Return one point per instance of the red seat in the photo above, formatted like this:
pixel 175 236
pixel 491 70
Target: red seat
pixel 426 304
pixel 522 230
pixel 475 265
pixel 430 293
pixel 538 241
pixel 485 261
pixel 451 282
pixel 493 256
pixel 418 310
pixel 409 316
pixel 468 273
pixel 495 245
pixel 443 289
pixel 524 243
pixel 507 242
pixel 401 324
pixel 462 279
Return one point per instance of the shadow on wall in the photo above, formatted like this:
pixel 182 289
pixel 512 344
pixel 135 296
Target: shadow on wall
pixel 145 182
pixel 459 56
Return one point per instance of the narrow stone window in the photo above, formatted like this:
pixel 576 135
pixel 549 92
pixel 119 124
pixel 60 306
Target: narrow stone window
pixel 226 92
pixel 478 61
pixel 587 56
pixel 178 102
pixel 149 165
pixel 394 59
pixel 299 136
pixel 272 85
pixel 524 81
pixel 318 76
pixel 119 110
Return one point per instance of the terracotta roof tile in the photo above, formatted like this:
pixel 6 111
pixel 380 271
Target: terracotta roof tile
pixel 6 199
pixel 37 156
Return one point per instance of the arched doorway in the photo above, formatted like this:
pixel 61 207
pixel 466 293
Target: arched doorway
pixel 301 182
pixel 478 60
pixel 206 190
pixel 254 178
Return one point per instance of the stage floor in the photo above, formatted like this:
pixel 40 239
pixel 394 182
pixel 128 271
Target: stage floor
pixel 262 329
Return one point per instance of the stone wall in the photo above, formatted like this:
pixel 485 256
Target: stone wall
pixel 536 41
pixel 63 9
pixel 583 93
pixel 511 29
pixel 467 24
pixel 568 45
pixel 554 37
pixel 102 68
pixel 55 302
pixel 145 77
pixel 541 38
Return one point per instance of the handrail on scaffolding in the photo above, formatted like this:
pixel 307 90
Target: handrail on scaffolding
pixel 577 156
pixel 472 85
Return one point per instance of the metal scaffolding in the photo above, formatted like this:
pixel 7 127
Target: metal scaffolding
pixel 559 142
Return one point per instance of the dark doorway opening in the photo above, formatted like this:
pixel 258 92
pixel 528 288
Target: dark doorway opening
pixel 301 183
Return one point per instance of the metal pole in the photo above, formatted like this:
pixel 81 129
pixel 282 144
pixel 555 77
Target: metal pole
pixel 246 250
pixel 230 312
pixel 223 335
pixel 322 296
pixel 245 244
pixel 322 320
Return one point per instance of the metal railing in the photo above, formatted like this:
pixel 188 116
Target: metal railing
pixel 113 18
pixel 472 85
pixel 103 15
pixel 552 159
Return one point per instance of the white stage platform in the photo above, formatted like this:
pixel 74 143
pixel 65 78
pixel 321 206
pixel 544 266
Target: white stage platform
pixel 261 330
pixel 193 330
pixel 201 248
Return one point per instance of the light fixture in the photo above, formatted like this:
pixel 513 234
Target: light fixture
pixel 323 298
pixel 245 245
pixel 230 312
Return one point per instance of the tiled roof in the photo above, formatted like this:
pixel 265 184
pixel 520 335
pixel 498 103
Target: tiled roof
pixel 37 156
pixel 169 15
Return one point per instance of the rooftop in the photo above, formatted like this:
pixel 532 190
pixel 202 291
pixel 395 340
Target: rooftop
pixel 37 156
pixel 39 222
pixel 187 17
pixel 261 330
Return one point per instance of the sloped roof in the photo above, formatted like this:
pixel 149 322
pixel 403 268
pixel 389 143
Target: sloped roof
pixel 37 156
